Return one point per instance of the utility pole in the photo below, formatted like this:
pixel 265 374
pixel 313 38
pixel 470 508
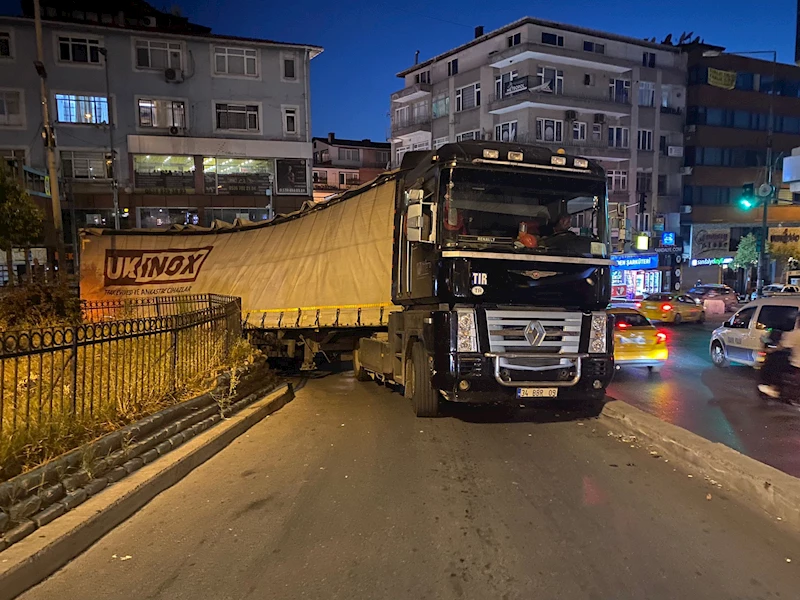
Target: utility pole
pixel 762 255
pixel 114 182
pixel 49 143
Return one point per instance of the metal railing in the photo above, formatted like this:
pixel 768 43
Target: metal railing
pixel 558 97
pixel 126 355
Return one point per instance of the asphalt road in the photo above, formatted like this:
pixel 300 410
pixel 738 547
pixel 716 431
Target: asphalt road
pixel 343 494
pixel 722 405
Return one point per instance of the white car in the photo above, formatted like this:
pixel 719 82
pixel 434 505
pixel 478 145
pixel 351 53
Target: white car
pixel 779 288
pixel 738 340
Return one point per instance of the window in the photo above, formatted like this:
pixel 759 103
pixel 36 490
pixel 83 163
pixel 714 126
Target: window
pixel 647 93
pixel 439 142
pixel 552 39
pixel 631 319
pixel 588 79
pixel 645 139
pixel 320 177
pixel 777 317
pixel 662 144
pixel 618 137
pixel 441 106
pixel 619 90
pixel 745 81
pixel 349 154
pixel 348 178
pixel 237 117
pixel 506 132
pixel 235 61
pixel 151 54
pixel 514 40
pixel 422 145
pixel 161 114
pixel 649 59
pixel 578 131
pixel 501 82
pixel 79 50
pixel 13 157
pixel 5 45
pixel 553 79
pixel 617 181
pixel 742 319
pixel 468 135
pixel 423 77
pixel 468 97
pixel 597 132
pixel 86 165
pixel 81 109
pixel 452 67
pixel 549 130
pixel 382 157
pixel 289 68
pixel 289 120
pixel 241 176
pixel 11 108
pixel 644 182
pixel 594 47
pixel 158 172
pixel 663 187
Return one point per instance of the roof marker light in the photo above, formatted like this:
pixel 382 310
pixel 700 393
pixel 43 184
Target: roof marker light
pixel 558 160
pixel 517 156
pixel 487 153
pixel 581 163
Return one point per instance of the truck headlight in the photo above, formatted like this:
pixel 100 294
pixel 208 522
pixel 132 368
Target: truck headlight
pixel 598 333
pixel 467 331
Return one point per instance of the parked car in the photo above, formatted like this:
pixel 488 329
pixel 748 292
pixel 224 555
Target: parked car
pixel 672 308
pixel 715 291
pixel 636 341
pixel 738 340
pixel 780 288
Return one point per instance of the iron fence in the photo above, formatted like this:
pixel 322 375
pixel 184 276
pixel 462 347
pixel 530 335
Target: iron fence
pixel 125 355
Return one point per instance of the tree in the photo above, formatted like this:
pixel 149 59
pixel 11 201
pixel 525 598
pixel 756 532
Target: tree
pixel 746 253
pixel 20 218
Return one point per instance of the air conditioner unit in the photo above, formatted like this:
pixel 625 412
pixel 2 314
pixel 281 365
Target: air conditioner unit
pixel 173 75
pixel 571 115
pixel 675 151
pixel 176 130
pixel 686 209
pixel 149 21
pixel 685 171
pixel 599 118
pixel 690 129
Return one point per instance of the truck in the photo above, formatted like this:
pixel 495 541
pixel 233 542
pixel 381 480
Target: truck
pixel 476 272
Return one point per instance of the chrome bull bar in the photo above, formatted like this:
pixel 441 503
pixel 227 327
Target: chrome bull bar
pixel 575 359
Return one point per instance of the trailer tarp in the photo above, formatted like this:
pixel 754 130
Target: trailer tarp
pixel 326 265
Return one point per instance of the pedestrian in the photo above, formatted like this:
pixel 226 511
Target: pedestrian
pixel 786 374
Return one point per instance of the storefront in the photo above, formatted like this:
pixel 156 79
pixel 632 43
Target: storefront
pixel 636 275
pixel 711 257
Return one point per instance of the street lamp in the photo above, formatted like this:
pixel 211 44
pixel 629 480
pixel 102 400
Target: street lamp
pixel 112 155
pixel 770 129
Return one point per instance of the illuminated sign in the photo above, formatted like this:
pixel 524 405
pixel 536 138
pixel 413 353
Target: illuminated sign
pixel 667 239
pixel 642 242
pixel 638 262
pixel 703 262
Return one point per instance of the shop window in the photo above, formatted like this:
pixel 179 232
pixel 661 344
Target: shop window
pixel 164 174
pixel 238 176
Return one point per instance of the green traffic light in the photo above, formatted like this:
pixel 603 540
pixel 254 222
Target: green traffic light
pixel 746 203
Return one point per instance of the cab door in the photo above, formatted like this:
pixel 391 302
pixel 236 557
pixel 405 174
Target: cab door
pixel 737 335
pixel 690 310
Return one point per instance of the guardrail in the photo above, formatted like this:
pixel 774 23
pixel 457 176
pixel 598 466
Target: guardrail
pixel 126 354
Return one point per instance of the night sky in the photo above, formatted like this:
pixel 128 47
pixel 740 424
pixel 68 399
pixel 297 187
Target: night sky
pixel 366 43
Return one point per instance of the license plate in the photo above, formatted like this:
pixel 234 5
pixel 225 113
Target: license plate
pixel 537 392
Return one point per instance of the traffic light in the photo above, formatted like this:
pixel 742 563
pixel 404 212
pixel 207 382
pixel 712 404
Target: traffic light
pixel 748 198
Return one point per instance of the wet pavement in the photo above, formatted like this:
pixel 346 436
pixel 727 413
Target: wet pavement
pixel 722 405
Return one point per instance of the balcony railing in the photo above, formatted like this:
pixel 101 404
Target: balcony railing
pixel 412 92
pixel 525 89
pixel 671 110
pixel 411 124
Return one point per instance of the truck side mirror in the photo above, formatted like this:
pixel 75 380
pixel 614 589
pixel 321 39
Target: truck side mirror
pixel 414 222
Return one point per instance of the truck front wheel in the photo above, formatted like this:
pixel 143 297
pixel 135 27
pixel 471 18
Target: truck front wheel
pixel 418 383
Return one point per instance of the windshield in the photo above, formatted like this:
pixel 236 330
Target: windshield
pixel 534 212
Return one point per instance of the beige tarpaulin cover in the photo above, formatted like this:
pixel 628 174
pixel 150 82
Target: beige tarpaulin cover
pixel 326 265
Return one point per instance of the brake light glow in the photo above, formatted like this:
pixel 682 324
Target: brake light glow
pixel 661 337
pixel 622 325
pixel 638 304
pixel 666 307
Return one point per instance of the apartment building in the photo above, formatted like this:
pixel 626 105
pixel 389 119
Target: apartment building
pixel 340 164
pixel 615 99
pixel 727 121
pixel 189 126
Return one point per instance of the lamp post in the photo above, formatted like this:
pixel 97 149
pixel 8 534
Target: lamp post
pixel 113 165
pixel 766 200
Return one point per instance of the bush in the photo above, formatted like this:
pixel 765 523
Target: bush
pixel 39 305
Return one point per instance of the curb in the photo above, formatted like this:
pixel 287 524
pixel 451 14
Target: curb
pixel 758 485
pixel 35 558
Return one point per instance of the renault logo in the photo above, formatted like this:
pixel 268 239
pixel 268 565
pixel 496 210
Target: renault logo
pixel 535 333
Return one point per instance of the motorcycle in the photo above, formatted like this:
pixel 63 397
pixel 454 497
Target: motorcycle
pixel 778 379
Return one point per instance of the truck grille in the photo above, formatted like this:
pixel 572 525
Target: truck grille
pixel 535 332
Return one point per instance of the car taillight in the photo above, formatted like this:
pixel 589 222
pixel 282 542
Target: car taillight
pixel 638 304
pixel 622 325
pixel 666 307
pixel 661 337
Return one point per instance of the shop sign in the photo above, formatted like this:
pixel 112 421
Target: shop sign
pixel 635 262
pixel 667 239
pixel 784 235
pixel 515 86
pixel 704 262
pixel 710 241
pixel 292 176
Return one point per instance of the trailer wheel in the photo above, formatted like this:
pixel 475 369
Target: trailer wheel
pixel 360 372
pixel 418 384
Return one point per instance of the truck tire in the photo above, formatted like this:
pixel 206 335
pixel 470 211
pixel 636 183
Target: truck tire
pixel 360 373
pixel 424 398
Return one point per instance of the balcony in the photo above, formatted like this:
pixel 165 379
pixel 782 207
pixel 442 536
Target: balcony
pixel 559 56
pixel 526 92
pixel 671 110
pixel 412 93
pixel 405 127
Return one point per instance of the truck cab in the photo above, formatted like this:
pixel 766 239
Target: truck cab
pixel 501 266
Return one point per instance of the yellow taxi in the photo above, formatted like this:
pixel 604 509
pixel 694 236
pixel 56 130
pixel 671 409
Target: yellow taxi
pixel 672 308
pixel 636 342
